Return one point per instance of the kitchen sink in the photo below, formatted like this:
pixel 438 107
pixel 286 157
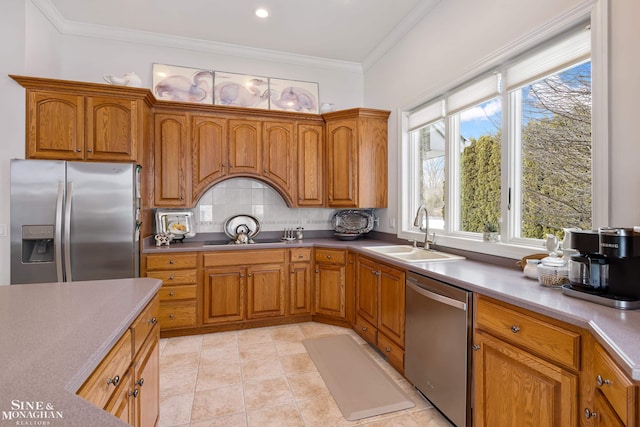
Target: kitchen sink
pixel 410 254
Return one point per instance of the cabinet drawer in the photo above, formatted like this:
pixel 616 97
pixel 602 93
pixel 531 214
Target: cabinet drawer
pixel 546 339
pixel 173 293
pixel 614 384
pixel 244 257
pixel 366 330
pixel 100 386
pixel 331 256
pixel 300 254
pixel 141 327
pixel 394 353
pixel 172 261
pixel 177 314
pixel 177 277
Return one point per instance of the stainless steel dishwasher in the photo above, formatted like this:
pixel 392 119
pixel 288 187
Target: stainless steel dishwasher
pixel 437 344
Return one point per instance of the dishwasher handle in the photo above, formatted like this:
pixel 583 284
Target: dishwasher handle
pixel 437 297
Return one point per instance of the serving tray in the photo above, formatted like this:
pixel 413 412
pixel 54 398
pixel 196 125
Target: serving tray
pixel 353 221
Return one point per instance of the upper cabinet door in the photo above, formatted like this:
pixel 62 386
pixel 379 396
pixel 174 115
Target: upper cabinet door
pixel 310 185
pixel 112 129
pixel 171 160
pixel 279 153
pixel 245 151
pixel 208 144
pixel 342 164
pixel 55 122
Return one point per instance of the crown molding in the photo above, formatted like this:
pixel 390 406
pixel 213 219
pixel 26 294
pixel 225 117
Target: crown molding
pixel 156 39
pixel 422 9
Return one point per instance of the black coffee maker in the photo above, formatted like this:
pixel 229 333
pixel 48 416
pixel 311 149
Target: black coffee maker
pixel 606 269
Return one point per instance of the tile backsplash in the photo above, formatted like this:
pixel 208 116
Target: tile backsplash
pixel 245 196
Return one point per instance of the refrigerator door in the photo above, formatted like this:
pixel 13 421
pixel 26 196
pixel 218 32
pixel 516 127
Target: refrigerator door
pixel 37 194
pixel 101 200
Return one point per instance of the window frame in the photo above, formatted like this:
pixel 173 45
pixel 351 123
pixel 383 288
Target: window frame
pixel 595 11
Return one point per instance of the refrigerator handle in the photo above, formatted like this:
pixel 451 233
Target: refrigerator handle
pixel 58 232
pixel 67 233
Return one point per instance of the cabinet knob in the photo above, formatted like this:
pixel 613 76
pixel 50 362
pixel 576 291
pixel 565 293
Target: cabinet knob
pixel 475 347
pixel 89 150
pixel 601 381
pixel 300 256
pixel 388 349
pixel 171 261
pixel 171 277
pixel 249 275
pixel 115 380
pixel 317 271
pixel 589 414
pixel 78 150
pixel 134 393
pixel 266 171
pixel 328 256
pixel 171 316
pixel 515 329
pixel 140 382
pixel 153 320
pixel 364 329
pixel 171 294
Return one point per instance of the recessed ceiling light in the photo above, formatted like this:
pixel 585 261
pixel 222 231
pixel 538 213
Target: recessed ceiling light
pixel 261 13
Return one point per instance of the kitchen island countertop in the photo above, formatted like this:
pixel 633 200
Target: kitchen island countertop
pixel 617 330
pixel 53 336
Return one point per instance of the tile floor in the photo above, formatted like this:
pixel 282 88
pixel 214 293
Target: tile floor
pixel 263 377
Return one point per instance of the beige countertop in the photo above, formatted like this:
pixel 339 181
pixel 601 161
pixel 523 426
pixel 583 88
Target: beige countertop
pixel 53 336
pixel 617 330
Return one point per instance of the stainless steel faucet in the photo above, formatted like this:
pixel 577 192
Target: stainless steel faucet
pixel 422 222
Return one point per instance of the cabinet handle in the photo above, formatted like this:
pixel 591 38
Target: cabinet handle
pixel 249 275
pixel 134 393
pixel 171 316
pixel 328 256
pixel 601 381
pixel 364 329
pixel 230 165
pixel 78 150
pixel 171 293
pixel 317 271
pixel 300 256
pixel 388 349
pixel 515 329
pixel 153 320
pixel 115 380
pixel 140 382
pixel 89 150
pixel 475 347
pixel 170 261
pixel 589 414
pixel 266 171
pixel 171 277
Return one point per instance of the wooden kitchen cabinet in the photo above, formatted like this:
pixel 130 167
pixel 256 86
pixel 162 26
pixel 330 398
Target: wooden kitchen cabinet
pixel 356 160
pixel 330 279
pixel 84 121
pixel 127 381
pixel 301 281
pixel 246 287
pixel 310 165
pixel 209 161
pixel 172 180
pixel 526 367
pixel 380 308
pixel 245 147
pixel 179 292
pixel 615 395
pixel 279 155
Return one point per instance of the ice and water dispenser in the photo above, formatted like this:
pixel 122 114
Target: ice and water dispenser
pixel 37 243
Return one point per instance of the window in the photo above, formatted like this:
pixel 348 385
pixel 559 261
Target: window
pixel 511 150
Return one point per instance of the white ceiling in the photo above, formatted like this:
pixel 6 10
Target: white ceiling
pixel 338 30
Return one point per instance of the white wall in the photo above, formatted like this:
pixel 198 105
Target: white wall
pixel 458 34
pixel 12 61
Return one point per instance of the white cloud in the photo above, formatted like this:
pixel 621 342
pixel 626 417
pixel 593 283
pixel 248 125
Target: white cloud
pixel 482 112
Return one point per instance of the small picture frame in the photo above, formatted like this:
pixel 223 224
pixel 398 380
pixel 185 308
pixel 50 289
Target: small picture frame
pixel 241 90
pixel 173 83
pixel 293 95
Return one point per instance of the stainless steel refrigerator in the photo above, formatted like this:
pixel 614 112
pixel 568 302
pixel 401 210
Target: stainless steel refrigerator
pixel 73 221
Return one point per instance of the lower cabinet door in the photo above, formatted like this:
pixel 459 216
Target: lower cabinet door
pixel 147 382
pixel 121 404
pixel 330 290
pixel 265 291
pixel 604 414
pixel 300 288
pixel 224 289
pixel 514 387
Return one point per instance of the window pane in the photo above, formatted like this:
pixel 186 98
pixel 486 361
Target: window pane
pixel 479 157
pixel 556 153
pixel 430 146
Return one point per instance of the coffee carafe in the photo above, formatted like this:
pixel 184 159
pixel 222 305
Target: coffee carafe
pixel 588 269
